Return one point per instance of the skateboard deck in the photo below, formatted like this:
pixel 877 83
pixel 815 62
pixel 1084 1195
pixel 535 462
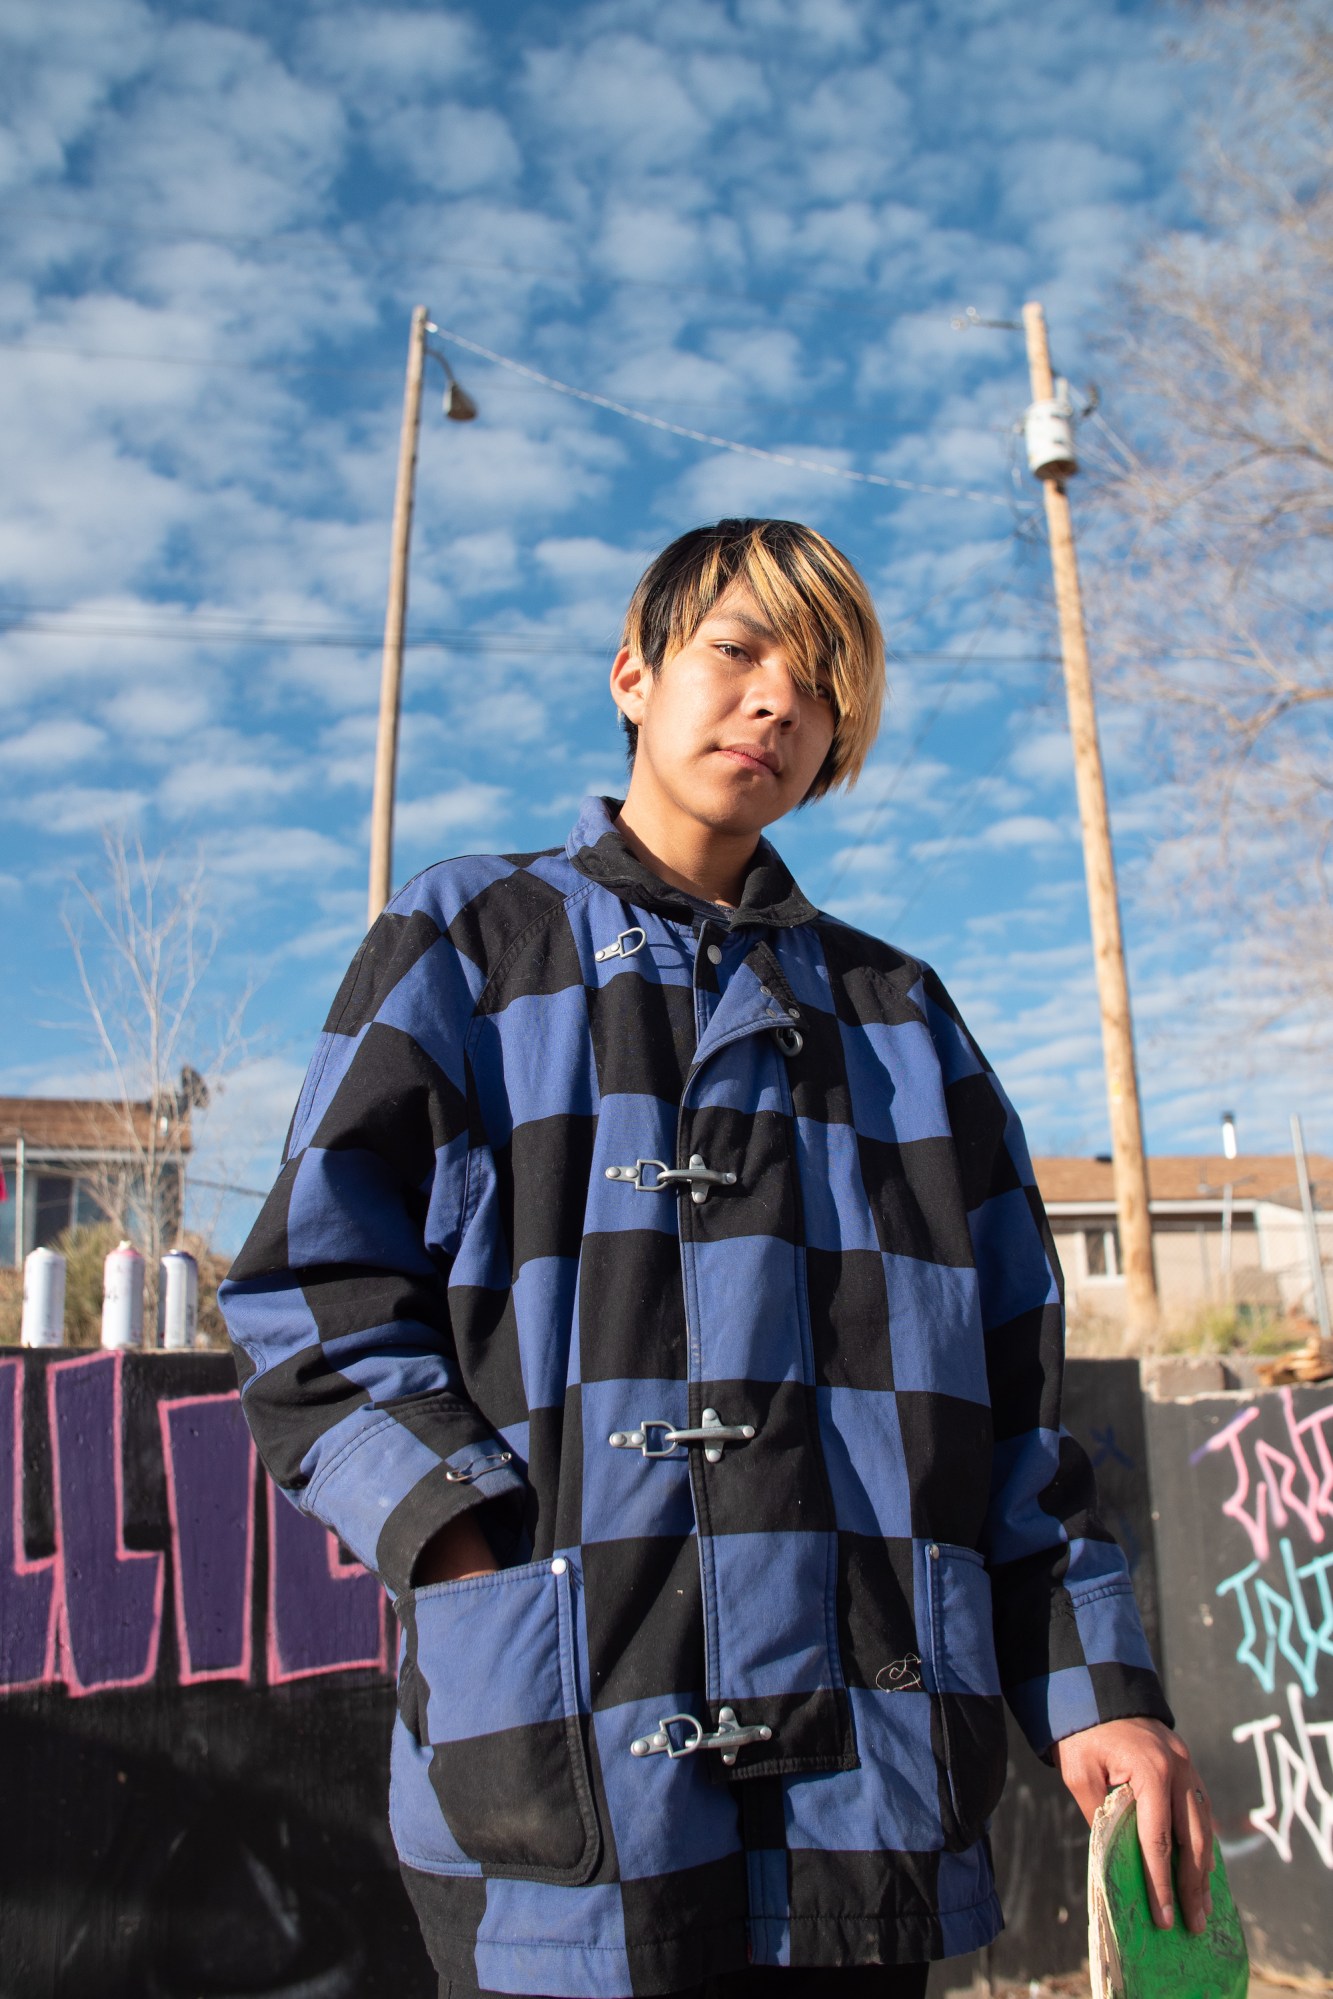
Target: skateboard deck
pixel 1129 1957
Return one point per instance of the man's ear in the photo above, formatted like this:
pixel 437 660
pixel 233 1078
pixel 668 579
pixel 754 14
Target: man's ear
pixel 631 678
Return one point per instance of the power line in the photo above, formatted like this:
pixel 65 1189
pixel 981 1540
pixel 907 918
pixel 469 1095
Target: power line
pixel 262 367
pixel 708 437
pixel 55 622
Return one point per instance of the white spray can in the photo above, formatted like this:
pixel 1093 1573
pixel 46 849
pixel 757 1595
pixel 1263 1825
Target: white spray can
pixel 43 1298
pixel 122 1297
pixel 177 1300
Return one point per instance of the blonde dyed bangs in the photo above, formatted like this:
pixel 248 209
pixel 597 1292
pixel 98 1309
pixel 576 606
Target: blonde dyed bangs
pixel 809 593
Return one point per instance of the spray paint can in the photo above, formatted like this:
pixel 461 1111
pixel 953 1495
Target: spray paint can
pixel 177 1300
pixel 43 1298
pixel 122 1297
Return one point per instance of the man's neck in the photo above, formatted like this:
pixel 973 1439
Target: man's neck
pixel 696 858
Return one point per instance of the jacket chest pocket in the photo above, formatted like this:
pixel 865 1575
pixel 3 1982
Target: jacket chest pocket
pixel 488 1690
pixel 966 1688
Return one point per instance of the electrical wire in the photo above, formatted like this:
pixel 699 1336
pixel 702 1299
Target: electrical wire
pixel 208 361
pixel 41 622
pixel 708 437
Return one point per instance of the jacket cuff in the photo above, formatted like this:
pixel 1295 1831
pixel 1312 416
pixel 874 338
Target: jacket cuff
pixel 1114 1681
pixel 434 1459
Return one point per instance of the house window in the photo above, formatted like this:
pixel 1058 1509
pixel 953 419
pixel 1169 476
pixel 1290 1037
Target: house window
pixel 1101 1250
pixel 53 1192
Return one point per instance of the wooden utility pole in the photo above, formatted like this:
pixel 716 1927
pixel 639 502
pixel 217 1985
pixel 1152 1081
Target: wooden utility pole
pixel 395 620
pixel 1130 1167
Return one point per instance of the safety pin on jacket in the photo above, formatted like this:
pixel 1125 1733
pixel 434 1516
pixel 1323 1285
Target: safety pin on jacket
pixel 620 949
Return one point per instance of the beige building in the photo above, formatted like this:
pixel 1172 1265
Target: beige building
pixel 62 1157
pixel 1223 1230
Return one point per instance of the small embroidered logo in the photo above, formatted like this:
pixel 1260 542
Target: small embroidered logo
pixel 900 1675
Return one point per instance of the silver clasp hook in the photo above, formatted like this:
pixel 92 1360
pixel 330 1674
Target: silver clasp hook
pixel 713 1434
pixel 730 1737
pixel 696 1176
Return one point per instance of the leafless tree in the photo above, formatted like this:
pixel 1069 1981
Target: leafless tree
pixel 143 942
pixel 1213 480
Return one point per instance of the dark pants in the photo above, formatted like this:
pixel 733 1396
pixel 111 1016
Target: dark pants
pixel 863 1981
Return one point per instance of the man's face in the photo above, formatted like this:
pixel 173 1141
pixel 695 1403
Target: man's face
pixel 726 737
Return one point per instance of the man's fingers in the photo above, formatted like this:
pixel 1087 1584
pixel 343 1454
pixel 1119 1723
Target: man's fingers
pixel 1194 1835
pixel 1154 1818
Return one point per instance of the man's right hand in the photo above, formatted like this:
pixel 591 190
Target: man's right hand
pixel 458 1551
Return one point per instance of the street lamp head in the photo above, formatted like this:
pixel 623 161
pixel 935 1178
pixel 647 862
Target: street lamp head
pixel 1229 1134
pixel 458 404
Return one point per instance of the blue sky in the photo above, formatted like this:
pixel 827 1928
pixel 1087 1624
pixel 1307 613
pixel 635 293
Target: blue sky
pixel 751 217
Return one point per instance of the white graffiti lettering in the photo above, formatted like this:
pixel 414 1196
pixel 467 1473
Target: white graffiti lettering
pixel 1303 1789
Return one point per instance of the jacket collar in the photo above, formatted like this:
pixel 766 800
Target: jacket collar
pixel 770 897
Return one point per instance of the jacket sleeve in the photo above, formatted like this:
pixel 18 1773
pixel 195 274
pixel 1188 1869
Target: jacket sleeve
pixel 1068 1638
pixel 337 1305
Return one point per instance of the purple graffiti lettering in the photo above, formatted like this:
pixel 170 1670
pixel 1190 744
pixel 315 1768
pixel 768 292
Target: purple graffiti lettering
pixel 210 1465
pixel 110 1596
pixel 27 1589
pixel 324 1614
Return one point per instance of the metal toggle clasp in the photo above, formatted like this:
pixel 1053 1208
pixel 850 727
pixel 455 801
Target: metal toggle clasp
pixel 730 1737
pixel 621 949
pixel 712 1434
pixel 696 1176
pixel 464 1474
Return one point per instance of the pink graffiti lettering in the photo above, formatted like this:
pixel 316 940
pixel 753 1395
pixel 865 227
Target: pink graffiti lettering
pixel 210 1459
pixel 110 1595
pixel 1287 1486
pixel 324 1614
pixel 90 1615
pixel 28 1599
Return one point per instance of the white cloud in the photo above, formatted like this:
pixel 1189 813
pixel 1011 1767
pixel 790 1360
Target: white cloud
pixel 52 745
pixel 465 807
pixel 79 808
pixel 1023 829
pixel 381 56
pixel 268 854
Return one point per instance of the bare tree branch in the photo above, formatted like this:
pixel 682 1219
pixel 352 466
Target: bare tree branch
pixel 143 943
pixel 1211 556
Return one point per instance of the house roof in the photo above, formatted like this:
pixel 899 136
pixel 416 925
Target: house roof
pixel 1188 1178
pixel 75 1125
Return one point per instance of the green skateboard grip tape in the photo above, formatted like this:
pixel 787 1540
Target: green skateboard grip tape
pixel 1129 1956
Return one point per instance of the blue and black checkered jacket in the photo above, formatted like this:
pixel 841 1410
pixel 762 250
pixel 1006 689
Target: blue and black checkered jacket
pixel 700 1251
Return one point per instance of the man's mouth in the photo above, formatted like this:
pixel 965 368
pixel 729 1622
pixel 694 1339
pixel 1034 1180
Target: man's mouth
pixel 752 759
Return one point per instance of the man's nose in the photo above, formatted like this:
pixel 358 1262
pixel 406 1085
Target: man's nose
pixel 774 693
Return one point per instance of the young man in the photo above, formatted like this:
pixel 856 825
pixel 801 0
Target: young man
pixel 657 1297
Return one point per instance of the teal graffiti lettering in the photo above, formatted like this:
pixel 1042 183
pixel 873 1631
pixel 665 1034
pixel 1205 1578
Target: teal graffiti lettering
pixel 1286 1616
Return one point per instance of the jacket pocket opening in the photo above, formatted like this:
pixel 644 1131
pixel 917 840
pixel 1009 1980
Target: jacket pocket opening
pixel 491 1684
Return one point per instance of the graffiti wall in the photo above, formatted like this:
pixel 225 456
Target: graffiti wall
pixel 195 1699
pixel 194 1704
pixel 1243 1489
